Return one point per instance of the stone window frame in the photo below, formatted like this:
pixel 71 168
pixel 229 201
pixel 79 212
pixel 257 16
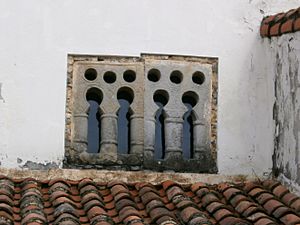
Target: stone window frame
pixel 206 163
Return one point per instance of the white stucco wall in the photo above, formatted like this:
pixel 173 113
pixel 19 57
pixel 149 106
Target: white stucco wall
pixel 284 66
pixel 36 37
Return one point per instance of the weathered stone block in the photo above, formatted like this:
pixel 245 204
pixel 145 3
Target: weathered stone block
pixel 181 80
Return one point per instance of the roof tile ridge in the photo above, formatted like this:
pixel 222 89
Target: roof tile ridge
pixel 155 201
pixel 280 23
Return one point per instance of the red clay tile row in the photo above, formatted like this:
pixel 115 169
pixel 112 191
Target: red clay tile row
pixel 244 205
pixel 125 205
pixel 156 204
pixel 64 202
pixel 289 199
pixel 281 23
pixel 31 203
pixel 272 204
pixel 7 190
pixel 93 203
pixel 190 213
pixel 212 201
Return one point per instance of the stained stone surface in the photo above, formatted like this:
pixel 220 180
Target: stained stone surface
pixel 174 111
pixel 177 79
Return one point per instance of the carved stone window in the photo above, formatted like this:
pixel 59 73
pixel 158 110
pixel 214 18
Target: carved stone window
pixel 154 112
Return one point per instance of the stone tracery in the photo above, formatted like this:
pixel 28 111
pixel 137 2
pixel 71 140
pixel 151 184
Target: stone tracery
pixel 155 91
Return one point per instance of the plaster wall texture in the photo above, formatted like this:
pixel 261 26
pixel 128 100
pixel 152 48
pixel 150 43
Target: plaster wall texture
pixel 38 35
pixel 284 66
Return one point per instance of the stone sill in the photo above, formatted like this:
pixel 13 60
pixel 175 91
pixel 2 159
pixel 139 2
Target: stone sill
pixel 125 176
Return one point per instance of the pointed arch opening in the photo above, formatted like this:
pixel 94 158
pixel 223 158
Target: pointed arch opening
pixel 94 97
pixel 189 99
pixel 125 98
pixel 161 98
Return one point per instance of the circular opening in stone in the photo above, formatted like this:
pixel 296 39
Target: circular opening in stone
pixel 129 76
pixel 190 98
pixel 90 74
pixel 126 93
pixel 198 77
pixel 161 96
pixel 153 75
pixel 176 77
pixel 109 77
pixel 94 94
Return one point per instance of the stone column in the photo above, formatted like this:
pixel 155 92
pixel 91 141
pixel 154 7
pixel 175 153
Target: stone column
pixel 80 131
pixel 149 140
pixel 201 139
pixel 136 134
pixel 173 137
pixel 108 145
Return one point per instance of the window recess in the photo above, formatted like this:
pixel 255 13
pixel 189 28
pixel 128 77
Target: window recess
pixel 154 112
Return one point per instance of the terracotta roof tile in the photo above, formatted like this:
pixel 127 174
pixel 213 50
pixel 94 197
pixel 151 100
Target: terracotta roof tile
pixel 281 23
pixel 289 198
pixel 272 205
pixel 250 185
pixel 296 205
pixel 281 211
pixel 264 197
pixel 233 221
pixel 297 24
pixel 257 216
pixel 195 187
pixel 60 201
pixel 280 191
pixel 168 183
pixel 223 186
pixel 231 193
pixel 290 219
pixel 237 199
pixel 214 206
pixel 265 221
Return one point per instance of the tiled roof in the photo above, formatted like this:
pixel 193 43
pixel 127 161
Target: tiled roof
pixel 281 23
pixel 64 202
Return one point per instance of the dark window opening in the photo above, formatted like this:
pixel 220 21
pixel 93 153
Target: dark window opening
pixel 125 98
pixel 129 76
pixel 159 146
pixel 198 77
pixel 94 128
pixel 94 98
pixel 124 127
pixel 176 77
pixel 109 77
pixel 90 74
pixel 189 99
pixel 153 75
pixel 188 133
pixel 161 99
